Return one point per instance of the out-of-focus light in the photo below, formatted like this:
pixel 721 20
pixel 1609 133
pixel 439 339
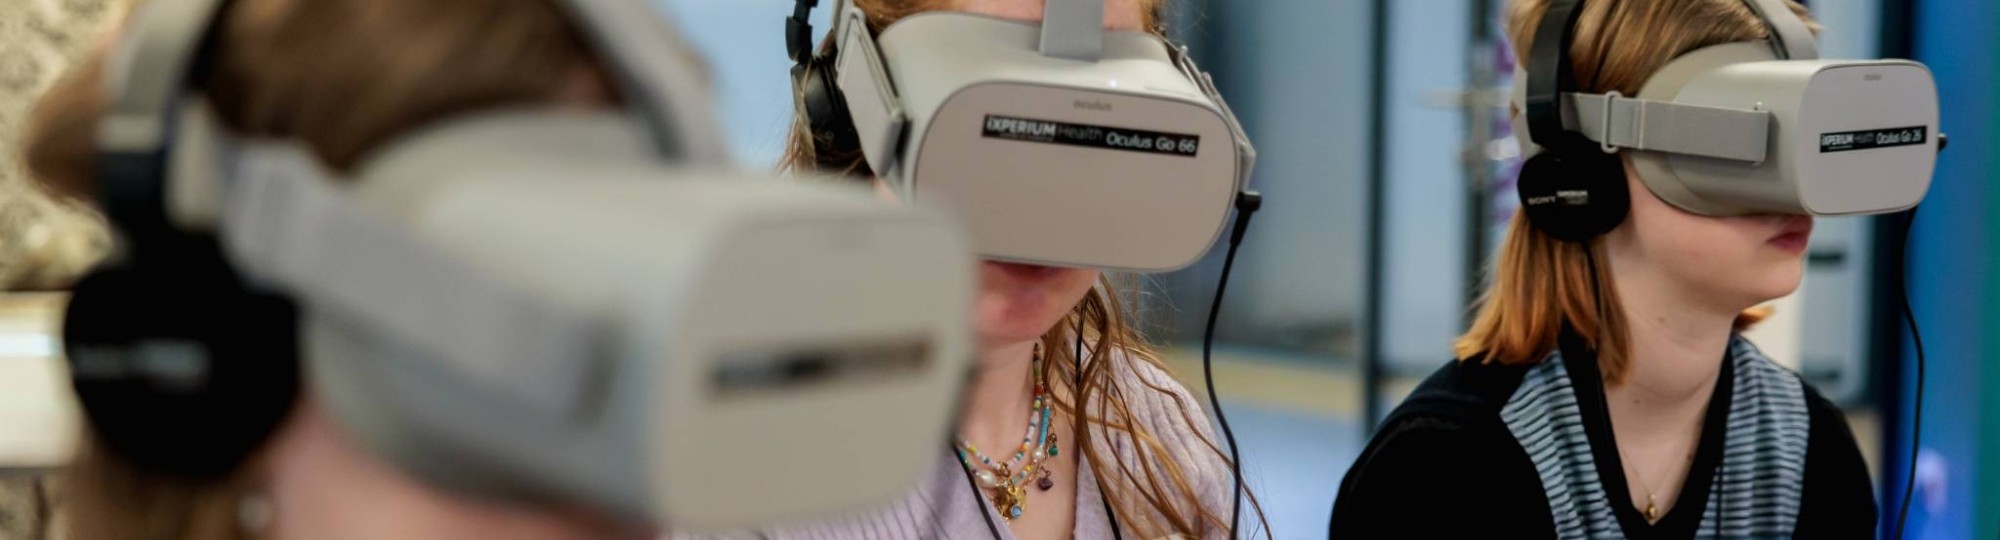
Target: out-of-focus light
pixel 1503 149
pixel 27 345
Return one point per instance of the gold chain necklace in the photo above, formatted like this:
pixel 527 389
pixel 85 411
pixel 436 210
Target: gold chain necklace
pixel 1652 506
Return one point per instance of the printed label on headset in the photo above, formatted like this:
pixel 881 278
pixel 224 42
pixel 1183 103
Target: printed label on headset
pixel 1873 138
pixel 1133 140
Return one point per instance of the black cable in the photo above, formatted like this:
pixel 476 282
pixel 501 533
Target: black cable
pixel 1917 419
pixel 1077 391
pixel 977 494
pixel 1247 204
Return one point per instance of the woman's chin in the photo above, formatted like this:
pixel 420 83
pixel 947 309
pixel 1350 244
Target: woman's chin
pixel 1005 320
pixel 1020 302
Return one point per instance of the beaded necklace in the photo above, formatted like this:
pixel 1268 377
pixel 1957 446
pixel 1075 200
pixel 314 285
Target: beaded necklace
pixel 1007 480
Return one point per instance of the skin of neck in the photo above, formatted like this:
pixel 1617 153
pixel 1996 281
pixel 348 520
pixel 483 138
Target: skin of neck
pixel 996 407
pixel 1677 347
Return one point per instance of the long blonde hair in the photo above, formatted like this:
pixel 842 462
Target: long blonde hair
pixel 1161 484
pixel 1539 282
pixel 342 76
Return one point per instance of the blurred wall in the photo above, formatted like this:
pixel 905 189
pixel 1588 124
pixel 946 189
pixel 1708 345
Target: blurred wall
pixel 1296 72
pixel 1955 297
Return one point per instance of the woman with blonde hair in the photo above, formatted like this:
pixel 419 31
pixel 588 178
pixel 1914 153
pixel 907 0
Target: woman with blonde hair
pixel 343 79
pixel 1603 390
pixel 1131 453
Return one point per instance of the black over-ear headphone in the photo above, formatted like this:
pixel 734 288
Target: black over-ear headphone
pixel 1573 190
pixel 180 368
pixel 815 91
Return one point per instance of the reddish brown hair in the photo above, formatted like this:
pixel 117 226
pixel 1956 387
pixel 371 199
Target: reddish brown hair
pixel 1540 282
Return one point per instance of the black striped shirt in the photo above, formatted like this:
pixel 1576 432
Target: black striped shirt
pixel 1491 451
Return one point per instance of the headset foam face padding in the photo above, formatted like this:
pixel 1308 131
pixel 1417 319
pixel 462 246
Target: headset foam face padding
pixel 185 375
pixel 1574 196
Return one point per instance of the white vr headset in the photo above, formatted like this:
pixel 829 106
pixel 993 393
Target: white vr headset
pixel 1058 143
pixel 1767 127
pixel 542 306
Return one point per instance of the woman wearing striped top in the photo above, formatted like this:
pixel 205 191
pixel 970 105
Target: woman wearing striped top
pixel 1617 400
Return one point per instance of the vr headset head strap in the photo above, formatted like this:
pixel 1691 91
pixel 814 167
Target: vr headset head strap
pixel 1073 29
pixel 645 56
pixel 1790 36
pixel 149 72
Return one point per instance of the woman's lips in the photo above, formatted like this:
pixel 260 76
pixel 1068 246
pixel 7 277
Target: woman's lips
pixel 1795 235
pixel 1025 271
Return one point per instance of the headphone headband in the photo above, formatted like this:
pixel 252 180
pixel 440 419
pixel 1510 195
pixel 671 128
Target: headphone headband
pixel 1550 75
pixel 147 71
pixel 798 31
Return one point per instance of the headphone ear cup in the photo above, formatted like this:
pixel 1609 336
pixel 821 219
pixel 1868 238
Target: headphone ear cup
pixel 816 94
pixel 185 374
pixel 1574 196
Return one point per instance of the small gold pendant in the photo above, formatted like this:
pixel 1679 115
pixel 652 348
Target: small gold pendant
pixel 1652 510
pixel 1010 502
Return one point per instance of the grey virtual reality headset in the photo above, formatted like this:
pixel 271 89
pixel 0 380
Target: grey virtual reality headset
pixel 1768 127
pixel 1058 143
pixel 578 307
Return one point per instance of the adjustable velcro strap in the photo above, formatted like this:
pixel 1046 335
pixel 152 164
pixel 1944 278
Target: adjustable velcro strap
pixel 288 226
pixel 872 103
pixel 1675 128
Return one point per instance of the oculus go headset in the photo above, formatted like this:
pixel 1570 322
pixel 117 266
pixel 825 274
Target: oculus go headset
pixel 1058 143
pixel 1731 129
pixel 529 305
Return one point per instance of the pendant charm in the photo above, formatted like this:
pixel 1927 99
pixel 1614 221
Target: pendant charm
pixel 1008 506
pixel 1045 483
pixel 1652 510
pixel 1010 502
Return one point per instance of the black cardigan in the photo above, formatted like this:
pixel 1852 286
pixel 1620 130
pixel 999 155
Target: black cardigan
pixel 1446 465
